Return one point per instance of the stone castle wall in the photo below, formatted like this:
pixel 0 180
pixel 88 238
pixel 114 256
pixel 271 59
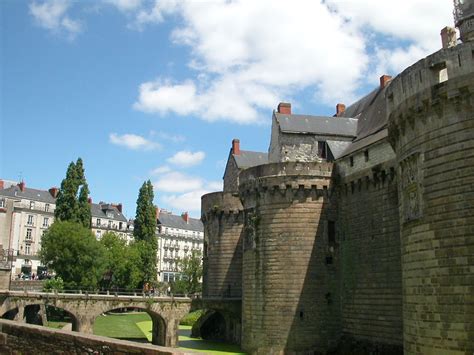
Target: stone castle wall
pixel 290 297
pixel 371 282
pixel 431 126
pixel 222 215
pixel 20 338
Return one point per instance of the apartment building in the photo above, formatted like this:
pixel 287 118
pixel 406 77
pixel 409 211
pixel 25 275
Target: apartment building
pixel 177 236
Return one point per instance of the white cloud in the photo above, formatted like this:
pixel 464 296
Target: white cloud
pixel 178 182
pixel 51 15
pixel 160 170
pixel 175 138
pixel 181 191
pixel 186 158
pixel 125 5
pixel 189 201
pixel 133 141
pixel 249 55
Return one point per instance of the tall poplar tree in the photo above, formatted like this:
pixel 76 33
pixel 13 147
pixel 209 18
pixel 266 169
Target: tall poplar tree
pixel 72 201
pixel 144 231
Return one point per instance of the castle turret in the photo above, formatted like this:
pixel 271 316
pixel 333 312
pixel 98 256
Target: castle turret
pixel 464 19
pixel 431 128
pixel 290 301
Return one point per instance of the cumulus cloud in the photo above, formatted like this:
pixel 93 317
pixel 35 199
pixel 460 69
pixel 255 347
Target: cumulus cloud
pixel 51 14
pixel 125 5
pixel 178 182
pixel 160 170
pixel 181 191
pixel 249 55
pixel 186 158
pixel 133 141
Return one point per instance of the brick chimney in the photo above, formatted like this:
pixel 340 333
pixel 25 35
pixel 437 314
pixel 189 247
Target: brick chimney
pixel 384 80
pixel 284 108
pixel 340 108
pixel 185 216
pixel 157 212
pixel 2 184
pixel 236 146
pixel 54 191
pixel 448 37
pixel 118 206
pixel 22 186
pixel 89 199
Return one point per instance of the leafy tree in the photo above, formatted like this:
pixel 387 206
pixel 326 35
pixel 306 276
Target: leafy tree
pixel 123 263
pixel 144 231
pixel 73 252
pixel 144 227
pixel 54 284
pixel 72 201
pixel 191 272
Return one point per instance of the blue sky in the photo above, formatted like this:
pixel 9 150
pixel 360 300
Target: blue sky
pixel 158 89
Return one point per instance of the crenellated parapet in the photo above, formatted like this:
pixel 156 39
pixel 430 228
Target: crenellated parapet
pixel 290 258
pixel 421 94
pixel 379 176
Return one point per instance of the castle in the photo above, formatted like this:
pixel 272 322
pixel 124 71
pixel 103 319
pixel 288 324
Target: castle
pixel 355 233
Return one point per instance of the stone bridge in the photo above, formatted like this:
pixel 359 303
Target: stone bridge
pixel 165 312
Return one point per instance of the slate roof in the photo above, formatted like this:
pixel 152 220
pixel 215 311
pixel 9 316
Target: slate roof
pixel 28 194
pixel 323 125
pixel 100 211
pixel 371 113
pixel 338 147
pixel 247 159
pixel 174 221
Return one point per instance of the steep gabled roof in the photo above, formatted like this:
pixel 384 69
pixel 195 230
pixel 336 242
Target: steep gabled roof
pixel 174 221
pixel 247 159
pixel 28 194
pixel 322 125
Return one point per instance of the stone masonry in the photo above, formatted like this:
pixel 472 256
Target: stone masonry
pixel 366 247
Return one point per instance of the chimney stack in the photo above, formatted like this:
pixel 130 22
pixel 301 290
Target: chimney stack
pixel 340 108
pixel 284 108
pixel 54 191
pixel 157 212
pixel 384 80
pixel 448 37
pixel 2 185
pixel 22 186
pixel 236 146
pixel 89 200
pixel 185 216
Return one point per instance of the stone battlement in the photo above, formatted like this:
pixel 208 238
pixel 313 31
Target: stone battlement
pixel 220 202
pixel 430 75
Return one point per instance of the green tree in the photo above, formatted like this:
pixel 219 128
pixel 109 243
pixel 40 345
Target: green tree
pixel 144 231
pixel 144 227
pixel 123 263
pixel 72 201
pixel 191 272
pixel 73 252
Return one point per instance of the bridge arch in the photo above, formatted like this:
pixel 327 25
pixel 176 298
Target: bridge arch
pixel 218 324
pixel 159 324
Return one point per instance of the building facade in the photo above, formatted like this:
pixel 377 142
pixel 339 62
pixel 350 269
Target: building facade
pixel 178 236
pixel 25 215
pixel 356 235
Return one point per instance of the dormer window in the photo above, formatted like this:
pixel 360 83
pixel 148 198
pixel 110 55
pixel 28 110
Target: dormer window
pixel 110 214
pixel 2 203
pixel 322 150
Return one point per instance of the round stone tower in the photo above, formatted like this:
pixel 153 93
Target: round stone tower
pixel 290 300
pixel 222 216
pixel 464 18
pixel 431 128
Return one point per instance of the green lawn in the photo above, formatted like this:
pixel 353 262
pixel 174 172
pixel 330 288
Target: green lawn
pixel 121 325
pixel 137 326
